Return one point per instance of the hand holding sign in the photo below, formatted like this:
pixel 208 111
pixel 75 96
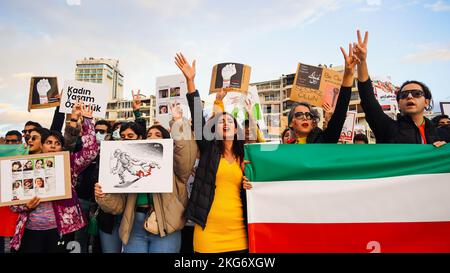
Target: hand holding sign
pixel 136 100
pixel 76 111
pixel 221 95
pixel 43 86
pixel 177 112
pixel 86 111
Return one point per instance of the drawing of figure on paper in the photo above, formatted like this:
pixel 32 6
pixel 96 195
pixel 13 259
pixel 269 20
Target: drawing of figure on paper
pixel 135 167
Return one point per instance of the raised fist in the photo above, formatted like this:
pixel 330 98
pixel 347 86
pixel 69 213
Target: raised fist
pixel 227 72
pixel 43 86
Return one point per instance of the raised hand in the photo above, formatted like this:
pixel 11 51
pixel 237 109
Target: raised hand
pixel 350 63
pixel 136 104
pixel 360 48
pixel 351 60
pixel 187 69
pixel 86 111
pixel 227 72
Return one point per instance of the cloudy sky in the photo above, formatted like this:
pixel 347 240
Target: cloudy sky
pixel 409 39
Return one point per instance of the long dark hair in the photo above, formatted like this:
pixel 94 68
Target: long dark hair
pixel 238 145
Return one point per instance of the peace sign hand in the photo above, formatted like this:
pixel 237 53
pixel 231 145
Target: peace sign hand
pixel 360 48
pixel 136 99
pixel 351 60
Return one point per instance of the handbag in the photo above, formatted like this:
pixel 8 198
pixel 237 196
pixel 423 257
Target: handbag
pixel 150 222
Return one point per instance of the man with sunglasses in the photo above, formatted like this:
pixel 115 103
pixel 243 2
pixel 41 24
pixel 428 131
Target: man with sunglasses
pixel 29 126
pixel 413 99
pixel 13 137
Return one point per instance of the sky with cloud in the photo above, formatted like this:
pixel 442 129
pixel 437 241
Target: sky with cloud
pixel 409 39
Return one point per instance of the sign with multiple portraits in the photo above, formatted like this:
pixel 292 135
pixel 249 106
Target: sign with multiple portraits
pixel 43 93
pixel 94 95
pixel 232 76
pixel 171 92
pixel 23 177
pixel 316 85
pixel 138 166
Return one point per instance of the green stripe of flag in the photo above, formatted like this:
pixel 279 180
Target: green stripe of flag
pixel 12 150
pixel 290 162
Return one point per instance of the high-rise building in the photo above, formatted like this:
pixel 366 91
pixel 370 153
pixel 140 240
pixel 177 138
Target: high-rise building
pixel 122 110
pixel 104 71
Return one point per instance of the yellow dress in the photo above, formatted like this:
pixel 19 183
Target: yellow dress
pixel 225 230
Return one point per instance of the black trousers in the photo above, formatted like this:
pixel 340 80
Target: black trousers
pixel 44 241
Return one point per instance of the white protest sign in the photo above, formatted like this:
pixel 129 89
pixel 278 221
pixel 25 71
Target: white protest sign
pixel 171 90
pixel 93 94
pixel 347 132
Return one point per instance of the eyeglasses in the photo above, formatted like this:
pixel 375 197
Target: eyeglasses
pixel 12 141
pixel 306 115
pixel 34 138
pixel 416 93
pixel 101 131
pixel 26 131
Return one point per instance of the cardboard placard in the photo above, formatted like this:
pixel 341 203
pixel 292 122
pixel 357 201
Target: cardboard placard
pixel 137 166
pixel 171 91
pixel 26 176
pixel 93 94
pixel 232 76
pixel 43 92
pixel 316 85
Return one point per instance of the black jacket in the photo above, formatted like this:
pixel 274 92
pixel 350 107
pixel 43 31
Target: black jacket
pixel 204 185
pixel 333 131
pixel 444 133
pixel 388 130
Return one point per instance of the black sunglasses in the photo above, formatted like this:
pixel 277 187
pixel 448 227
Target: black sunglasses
pixel 101 131
pixel 307 115
pixel 12 141
pixel 26 132
pixel 416 93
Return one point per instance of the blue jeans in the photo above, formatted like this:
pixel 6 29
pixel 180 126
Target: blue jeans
pixel 142 241
pixel 111 243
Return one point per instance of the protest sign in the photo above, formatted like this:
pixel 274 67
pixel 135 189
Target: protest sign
pixel 385 92
pixel 171 92
pixel 46 176
pixel 93 94
pixel 445 107
pixel 232 76
pixel 43 93
pixel 347 132
pixel 316 85
pixel 136 166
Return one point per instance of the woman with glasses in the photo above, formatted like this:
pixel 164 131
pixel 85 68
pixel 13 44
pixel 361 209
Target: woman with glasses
pixel 413 99
pixel 302 119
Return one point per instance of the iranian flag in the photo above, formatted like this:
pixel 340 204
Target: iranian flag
pixel 348 198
